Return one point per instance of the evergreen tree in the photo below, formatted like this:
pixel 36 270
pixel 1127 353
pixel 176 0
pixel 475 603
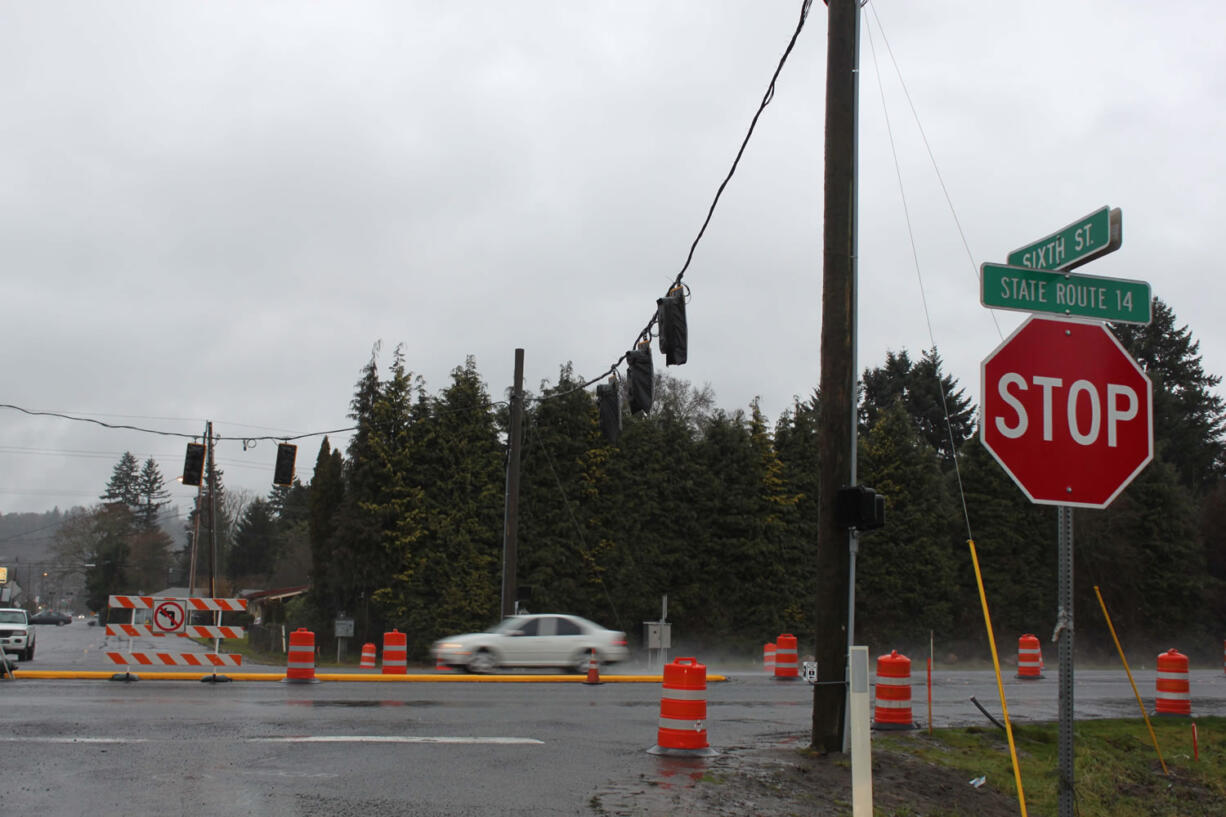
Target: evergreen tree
pixel 928 395
pixel 324 502
pixel 796 446
pixel 448 576
pixel 124 485
pixel 108 570
pixel 1145 553
pixel 256 544
pixel 1188 417
pixel 644 518
pixel 904 571
pixel 562 448
pixel 380 514
pixel 152 495
pixel 1016 541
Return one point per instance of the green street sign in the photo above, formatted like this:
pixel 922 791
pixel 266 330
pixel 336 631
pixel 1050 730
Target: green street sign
pixel 1085 296
pixel 1084 240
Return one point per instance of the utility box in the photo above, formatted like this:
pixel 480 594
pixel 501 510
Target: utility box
pixel 657 635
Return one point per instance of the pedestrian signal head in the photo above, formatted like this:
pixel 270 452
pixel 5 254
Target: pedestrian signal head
pixel 860 508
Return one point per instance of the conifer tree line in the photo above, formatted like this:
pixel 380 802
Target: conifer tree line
pixel 717 509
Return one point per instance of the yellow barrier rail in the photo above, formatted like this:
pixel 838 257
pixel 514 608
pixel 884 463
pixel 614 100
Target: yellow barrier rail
pixel 346 677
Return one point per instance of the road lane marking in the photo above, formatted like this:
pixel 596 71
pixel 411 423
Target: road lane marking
pixel 9 739
pixel 396 739
pixel 300 739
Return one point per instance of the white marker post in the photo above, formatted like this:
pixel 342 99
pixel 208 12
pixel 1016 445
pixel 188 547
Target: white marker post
pixel 861 740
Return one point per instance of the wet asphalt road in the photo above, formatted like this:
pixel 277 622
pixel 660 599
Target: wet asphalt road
pixel 76 747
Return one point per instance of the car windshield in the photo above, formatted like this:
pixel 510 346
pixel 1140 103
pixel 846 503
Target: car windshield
pixel 508 625
pixel 11 617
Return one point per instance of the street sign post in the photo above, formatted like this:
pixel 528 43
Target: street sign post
pixel 1066 412
pixel 1059 292
pixel 1087 238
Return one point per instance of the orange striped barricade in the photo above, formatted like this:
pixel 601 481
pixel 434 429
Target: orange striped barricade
pixel 395 653
pixel 300 662
pixel 167 616
pixel 368 656
pixel 1172 696
pixel 893 705
pixel 1029 658
pixel 683 711
pixel 192 604
pixel 786 666
pixel 190 631
pixel 176 659
pixel 768 657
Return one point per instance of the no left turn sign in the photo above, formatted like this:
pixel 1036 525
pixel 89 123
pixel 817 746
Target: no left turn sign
pixel 169 616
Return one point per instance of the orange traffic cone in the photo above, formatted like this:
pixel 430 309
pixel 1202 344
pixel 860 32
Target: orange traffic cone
pixel 593 669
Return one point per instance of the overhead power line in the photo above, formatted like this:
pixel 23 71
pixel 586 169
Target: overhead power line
pixel 645 334
pixel 179 434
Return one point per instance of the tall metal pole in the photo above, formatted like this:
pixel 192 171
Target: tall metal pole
pixel 1064 632
pixel 836 422
pixel 510 526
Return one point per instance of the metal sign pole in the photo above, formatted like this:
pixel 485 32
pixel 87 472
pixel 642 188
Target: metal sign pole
pixel 1064 634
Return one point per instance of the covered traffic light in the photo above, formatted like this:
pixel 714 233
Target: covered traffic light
pixel 193 464
pixel 608 402
pixel 283 473
pixel 640 376
pixel 860 508
pixel 670 316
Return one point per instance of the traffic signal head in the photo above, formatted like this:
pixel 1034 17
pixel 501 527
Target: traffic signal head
pixel 283 474
pixel 670 315
pixel 193 464
pixel 860 508
pixel 608 402
pixel 640 374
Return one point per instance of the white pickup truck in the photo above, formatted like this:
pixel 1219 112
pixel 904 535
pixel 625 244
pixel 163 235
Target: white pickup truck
pixel 16 634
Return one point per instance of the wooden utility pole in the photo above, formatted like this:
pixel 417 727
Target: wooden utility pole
pixel 836 422
pixel 212 480
pixel 510 525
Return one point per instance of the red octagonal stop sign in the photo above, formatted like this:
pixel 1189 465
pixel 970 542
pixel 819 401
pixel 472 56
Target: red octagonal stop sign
pixel 1067 412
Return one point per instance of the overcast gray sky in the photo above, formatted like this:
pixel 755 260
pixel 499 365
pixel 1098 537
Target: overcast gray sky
pixel 213 210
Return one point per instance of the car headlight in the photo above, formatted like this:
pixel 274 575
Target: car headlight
pixel 448 645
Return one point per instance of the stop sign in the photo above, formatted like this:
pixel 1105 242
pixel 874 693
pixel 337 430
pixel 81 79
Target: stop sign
pixel 1067 412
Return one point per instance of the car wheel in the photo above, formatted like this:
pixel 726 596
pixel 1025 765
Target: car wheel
pixel 483 662
pixel 579 663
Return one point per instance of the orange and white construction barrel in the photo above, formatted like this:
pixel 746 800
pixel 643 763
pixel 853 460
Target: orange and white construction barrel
pixel 768 658
pixel 1172 696
pixel 368 656
pixel 787 666
pixel 300 661
pixel 395 653
pixel 1029 658
pixel 683 711
pixel 893 698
